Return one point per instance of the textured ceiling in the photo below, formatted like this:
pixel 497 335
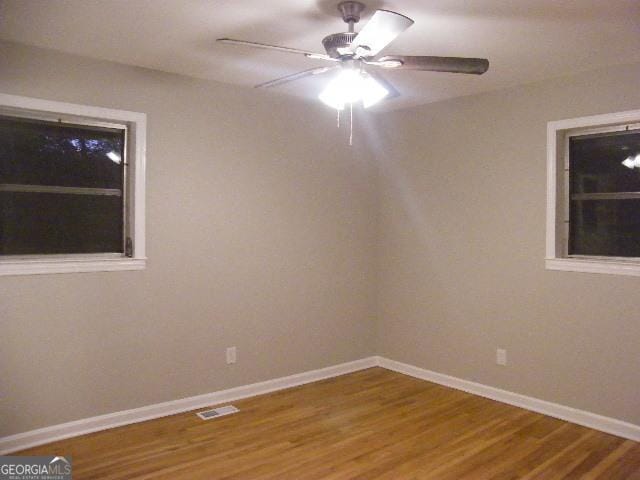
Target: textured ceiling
pixel 525 40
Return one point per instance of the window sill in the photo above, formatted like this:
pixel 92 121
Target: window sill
pixel 40 266
pixel 593 266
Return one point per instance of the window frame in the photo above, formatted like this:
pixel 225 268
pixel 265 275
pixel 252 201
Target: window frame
pixel 133 189
pixel 558 133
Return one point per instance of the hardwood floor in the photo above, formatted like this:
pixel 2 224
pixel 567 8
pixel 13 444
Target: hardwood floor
pixel 372 424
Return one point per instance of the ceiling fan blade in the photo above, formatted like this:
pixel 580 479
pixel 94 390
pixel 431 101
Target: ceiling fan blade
pixel 265 46
pixel 379 32
pixel 476 66
pixel 294 76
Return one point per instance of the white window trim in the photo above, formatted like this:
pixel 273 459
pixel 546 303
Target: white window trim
pixel 137 125
pixel 557 132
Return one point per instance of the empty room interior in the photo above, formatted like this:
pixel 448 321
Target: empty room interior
pixel 319 239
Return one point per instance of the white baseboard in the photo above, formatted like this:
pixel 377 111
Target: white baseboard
pixel 573 415
pixel 42 436
pixel 45 435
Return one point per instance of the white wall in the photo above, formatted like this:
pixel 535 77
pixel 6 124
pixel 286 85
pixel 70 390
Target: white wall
pixel 461 250
pixel 266 231
pixel 259 235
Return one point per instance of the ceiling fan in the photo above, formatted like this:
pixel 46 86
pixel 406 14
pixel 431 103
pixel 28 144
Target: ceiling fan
pixel 355 54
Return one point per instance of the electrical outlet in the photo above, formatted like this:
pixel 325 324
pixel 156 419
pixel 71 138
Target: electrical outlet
pixel 501 356
pixel 231 355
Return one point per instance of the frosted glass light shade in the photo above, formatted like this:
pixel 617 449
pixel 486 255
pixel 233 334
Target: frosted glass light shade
pixel 352 86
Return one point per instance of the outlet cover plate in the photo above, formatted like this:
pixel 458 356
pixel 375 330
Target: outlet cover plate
pixel 501 356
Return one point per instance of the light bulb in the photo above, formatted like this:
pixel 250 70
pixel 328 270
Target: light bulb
pixel 352 86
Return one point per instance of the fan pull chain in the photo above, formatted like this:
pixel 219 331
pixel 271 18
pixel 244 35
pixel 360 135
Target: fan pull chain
pixel 351 125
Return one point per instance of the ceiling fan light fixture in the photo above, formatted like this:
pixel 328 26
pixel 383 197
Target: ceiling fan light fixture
pixel 372 91
pixel 353 52
pixel 352 86
pixel 342 89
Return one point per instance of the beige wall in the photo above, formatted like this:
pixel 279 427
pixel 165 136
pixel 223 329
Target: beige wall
pixel 461 249
pixel 259 235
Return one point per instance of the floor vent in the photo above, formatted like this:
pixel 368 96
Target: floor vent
pixel 217 412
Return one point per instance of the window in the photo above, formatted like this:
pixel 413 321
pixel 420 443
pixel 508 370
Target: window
pixel 71 188
pixel 593 209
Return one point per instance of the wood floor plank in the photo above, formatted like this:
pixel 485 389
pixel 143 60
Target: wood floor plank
pixel 369 425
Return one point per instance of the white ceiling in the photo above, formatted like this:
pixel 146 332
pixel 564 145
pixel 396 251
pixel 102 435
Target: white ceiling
pixel 525 40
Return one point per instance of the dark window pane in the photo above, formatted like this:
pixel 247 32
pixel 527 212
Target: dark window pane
pixel 61 188
pixel 34 152
pixel 595 163
pixel 49 223
pixel 605 228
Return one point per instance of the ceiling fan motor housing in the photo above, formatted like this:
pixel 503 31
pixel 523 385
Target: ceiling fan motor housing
pixel 351 11
pixel 335 41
